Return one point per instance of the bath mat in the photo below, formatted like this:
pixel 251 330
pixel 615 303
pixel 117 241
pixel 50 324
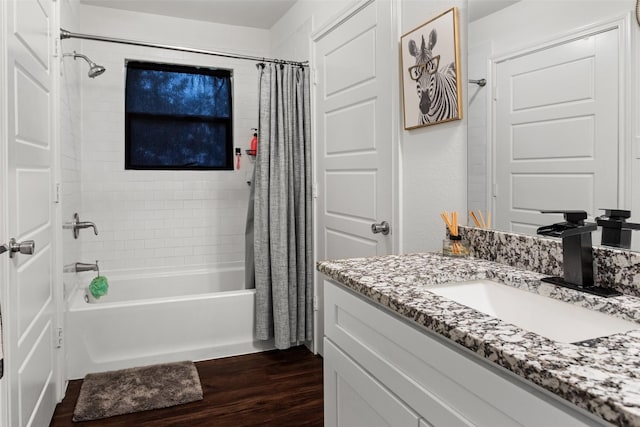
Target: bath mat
pixel 107 394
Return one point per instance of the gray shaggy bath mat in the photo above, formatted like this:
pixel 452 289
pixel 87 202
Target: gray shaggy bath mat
pixel 107 394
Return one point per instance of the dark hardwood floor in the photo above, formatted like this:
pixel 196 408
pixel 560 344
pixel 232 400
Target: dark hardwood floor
pixel 275 388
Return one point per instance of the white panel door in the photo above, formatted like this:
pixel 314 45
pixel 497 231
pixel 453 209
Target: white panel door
pixel 557 136
pixel 354 136
pixel 353 398
pixel 29 313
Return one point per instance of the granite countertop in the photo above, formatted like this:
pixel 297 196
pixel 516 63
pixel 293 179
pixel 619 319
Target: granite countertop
pixel 601 376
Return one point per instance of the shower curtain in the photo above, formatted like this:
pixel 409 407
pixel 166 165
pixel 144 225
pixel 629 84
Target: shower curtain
pixel 279 219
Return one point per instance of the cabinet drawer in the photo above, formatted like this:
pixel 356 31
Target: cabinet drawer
pixel 442 382
pixel 353 398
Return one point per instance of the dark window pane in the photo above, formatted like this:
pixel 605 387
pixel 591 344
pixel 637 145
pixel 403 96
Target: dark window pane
pixel 177 93
pixel 222 97
pixel 161 142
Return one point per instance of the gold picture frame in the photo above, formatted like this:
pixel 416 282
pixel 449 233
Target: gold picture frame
pixel 431 86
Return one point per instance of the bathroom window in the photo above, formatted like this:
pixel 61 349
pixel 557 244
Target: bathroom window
pixel 178 117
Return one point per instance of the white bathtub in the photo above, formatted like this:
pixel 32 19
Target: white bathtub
pixel 155 318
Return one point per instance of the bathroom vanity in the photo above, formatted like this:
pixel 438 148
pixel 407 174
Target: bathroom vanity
pixel 398 354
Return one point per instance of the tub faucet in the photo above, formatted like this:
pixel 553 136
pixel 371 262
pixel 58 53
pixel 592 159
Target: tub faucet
pixel 616 231
pixel 577 253
pixel 83 266
pixel 79 267
pixel 76 225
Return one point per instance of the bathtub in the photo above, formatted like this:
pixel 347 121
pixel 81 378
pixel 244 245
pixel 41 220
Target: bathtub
pixel 149 318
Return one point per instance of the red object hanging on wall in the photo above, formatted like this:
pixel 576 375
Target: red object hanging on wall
pixel 254 144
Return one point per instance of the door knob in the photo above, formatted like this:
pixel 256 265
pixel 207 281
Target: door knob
pixel 26 247
pixel 383 228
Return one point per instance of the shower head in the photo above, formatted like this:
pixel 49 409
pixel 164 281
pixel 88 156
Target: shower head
pixel 94 69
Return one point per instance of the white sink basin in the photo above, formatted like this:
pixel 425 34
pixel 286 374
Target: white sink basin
pixel 554 319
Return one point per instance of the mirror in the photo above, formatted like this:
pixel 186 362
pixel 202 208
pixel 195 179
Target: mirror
pixel 545 131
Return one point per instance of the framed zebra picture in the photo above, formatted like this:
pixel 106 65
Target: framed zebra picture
pixel 431 86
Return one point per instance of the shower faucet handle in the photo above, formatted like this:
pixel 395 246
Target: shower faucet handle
pixel 87 224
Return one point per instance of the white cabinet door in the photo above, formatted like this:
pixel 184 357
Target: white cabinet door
pixel 557 136
pixel 29 312
pixel 353 398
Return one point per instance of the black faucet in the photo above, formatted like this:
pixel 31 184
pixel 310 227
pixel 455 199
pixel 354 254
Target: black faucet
pixel 616 231
pixel 577 254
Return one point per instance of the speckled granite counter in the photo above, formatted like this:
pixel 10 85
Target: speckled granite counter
pixel 601 376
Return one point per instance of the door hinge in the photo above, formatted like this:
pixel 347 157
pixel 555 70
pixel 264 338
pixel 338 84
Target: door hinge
pixel 495 190
pixel 314 190
pixel 494 93
pixel 56 46
pixel 314 76
pixel 56 196
pixel 59 338
pixel 315 303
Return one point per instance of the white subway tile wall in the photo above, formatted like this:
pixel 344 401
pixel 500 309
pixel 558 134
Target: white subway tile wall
pixel 70 156
pixel 163 219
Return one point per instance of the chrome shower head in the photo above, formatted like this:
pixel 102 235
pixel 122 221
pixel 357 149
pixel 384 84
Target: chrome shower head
pixel 94 69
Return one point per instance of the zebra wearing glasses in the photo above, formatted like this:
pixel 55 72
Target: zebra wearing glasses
pixel 437 90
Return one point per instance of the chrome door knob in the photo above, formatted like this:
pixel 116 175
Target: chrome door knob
pixel 382 227
pixel 27 247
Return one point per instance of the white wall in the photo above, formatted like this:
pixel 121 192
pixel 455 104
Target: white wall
pixel 290 36
pixel 161 219
pixel 512 29
pixel 434 158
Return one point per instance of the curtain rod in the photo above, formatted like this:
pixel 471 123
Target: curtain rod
pixel 64 34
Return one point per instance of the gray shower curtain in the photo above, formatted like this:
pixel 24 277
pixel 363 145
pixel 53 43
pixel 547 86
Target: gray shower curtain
pixel 279 219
